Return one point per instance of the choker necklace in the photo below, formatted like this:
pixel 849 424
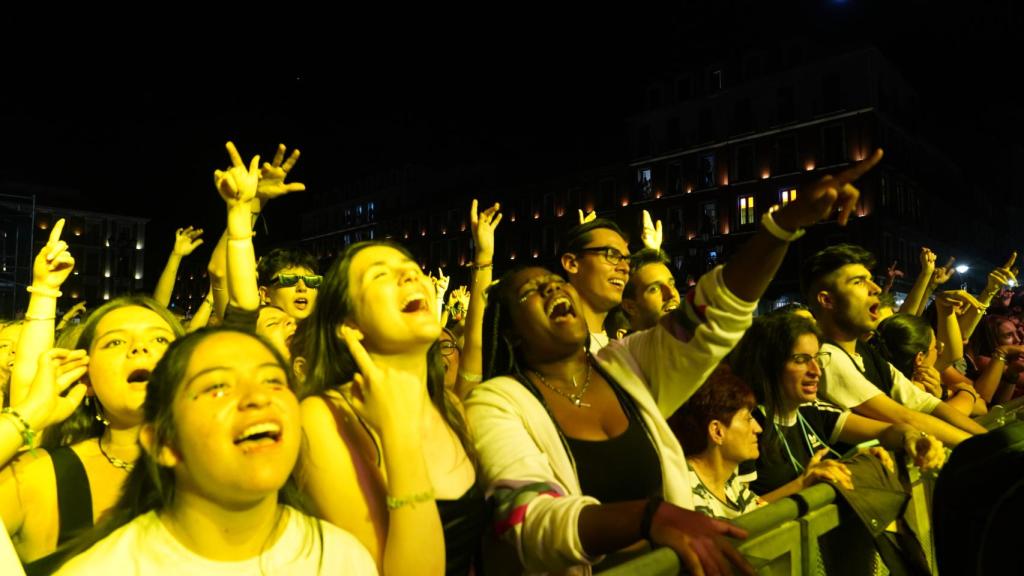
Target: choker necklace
pixel 115 462
pixel 576 396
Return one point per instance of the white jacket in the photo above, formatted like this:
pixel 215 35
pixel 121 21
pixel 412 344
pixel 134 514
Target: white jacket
pixel 524 463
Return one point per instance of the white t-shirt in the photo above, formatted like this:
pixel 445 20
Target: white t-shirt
pixel 145 546
pixel 845 385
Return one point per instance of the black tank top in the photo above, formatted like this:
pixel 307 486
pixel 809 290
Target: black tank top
pixel 74 505
pixel 463 522
pixel 622 468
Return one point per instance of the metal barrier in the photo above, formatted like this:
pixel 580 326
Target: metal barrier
pixel 784 535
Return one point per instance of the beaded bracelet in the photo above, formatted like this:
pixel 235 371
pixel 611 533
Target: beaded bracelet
pixel 28 435
pixel 39 318
pixel 396 503
pixel 480 266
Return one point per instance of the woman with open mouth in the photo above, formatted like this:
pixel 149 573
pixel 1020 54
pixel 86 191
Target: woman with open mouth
pixel 385 455
pixel 89 447
pixel 212 490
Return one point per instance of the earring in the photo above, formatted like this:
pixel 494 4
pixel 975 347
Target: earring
pixel 100 417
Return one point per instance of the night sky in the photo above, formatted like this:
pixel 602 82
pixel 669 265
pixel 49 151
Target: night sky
pixel 137 126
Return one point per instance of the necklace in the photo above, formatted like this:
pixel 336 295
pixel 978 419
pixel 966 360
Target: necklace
pixel 576 396
pixel 115 462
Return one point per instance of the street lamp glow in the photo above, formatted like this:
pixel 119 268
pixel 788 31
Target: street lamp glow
pixel 963 268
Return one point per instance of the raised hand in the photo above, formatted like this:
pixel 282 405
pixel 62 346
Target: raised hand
pixel 999 278
pixel 941 275
pixel 924 449
pixel 186 240
pixel 927 259
pixel 893 272
pixel 953 302
pixel 384 397
pixel 54 263
pixel 484 224
pixel 699 540
pixel 833 471
pixel 238 184
pixel 49 399
pixel 652 233
pixel 441 282
pixel 584 218
pixel 826 196
pixel 272 175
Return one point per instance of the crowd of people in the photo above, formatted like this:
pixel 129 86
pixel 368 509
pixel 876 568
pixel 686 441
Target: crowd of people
pixel 367 420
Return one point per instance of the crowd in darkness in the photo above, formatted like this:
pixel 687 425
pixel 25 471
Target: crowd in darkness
pixel 370 418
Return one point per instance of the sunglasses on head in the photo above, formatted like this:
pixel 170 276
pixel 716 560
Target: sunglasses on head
pixel 287 280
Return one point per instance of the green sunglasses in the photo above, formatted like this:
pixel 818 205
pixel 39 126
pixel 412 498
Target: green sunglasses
pixel 288 280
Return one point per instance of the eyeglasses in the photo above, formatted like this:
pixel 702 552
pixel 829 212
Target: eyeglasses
pixel 447 347
pixel 611 255
pixel 822 358
pixel 287 280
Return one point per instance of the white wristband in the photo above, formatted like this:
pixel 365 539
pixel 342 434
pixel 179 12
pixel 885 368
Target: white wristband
pixel 775 230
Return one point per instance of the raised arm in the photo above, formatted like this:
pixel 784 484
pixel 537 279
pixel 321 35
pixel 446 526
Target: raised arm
pixel 752 268
pixel 1005 275
pixel 891 274
pixel 186 240
pixel 50 397
pixel 471 364
pixel 940 276
pixel 948 305
pixel 50 269
pixel 237 187
pixel 913 300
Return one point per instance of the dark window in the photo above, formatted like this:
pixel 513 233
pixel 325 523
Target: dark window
pixel 707 171
pixel 785 154
pixel 675 178
pixel 673 136
pixel 744 162
pixel 834 144
pixel 684 88
pixel 743 116
pixel 705 125
pixel 643 140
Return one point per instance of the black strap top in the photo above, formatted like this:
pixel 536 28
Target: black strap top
pixel 463 522
pixel 74 505
pixel 618 469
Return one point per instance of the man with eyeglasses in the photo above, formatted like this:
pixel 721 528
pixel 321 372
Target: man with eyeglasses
pixel 595 257
pixel 838 286
pixel 288 280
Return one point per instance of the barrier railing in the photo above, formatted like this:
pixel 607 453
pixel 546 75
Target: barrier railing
pixel 784 535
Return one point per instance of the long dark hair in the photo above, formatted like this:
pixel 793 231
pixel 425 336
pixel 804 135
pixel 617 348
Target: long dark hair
pixel 83 424
pixel 149 485
pixel 329 364
pixel 901 337
pixel 760 358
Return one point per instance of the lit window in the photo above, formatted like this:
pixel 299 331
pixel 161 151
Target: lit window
pixel 746 210
pixel 786 195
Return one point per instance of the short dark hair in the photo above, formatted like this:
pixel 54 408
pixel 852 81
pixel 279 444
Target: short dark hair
pixel 817 270
pixel 577 237
pixel 280 258
pixel 637 261
pixel 720 398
